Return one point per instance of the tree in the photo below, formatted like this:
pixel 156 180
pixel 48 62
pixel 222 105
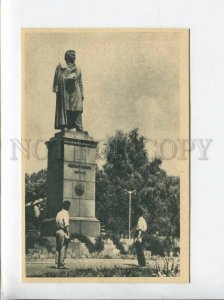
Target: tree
pixel 36 185
pixel 127 167
pixel 35 188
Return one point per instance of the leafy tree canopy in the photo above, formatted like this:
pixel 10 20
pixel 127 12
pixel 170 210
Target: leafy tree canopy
pixel 127 167
pixel 35 185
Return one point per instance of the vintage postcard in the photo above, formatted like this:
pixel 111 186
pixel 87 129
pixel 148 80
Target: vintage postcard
pixel 105 142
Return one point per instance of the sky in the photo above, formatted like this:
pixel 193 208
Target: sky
pixel 130 79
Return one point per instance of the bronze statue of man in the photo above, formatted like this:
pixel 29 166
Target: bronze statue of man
pixel 69 94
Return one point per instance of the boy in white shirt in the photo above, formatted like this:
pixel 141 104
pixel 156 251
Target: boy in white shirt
pixel 140 229
pixel 62 234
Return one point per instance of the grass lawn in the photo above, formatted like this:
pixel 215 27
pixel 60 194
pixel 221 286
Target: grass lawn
pixel 101 272
pixel 95 268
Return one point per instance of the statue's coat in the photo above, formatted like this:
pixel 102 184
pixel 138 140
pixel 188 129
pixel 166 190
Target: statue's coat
pixel 69 93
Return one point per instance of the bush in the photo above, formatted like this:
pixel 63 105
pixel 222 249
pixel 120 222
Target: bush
pixel 176 251
pixel 158 245
pixel 116 242
pixel 99 245
pixel 85 240
pixel 37 242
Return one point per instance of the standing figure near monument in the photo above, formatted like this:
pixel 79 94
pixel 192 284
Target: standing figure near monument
pixel 62 234
pixel 140 229
pixel 69 94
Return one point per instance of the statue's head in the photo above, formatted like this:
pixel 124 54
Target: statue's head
pixel 70 56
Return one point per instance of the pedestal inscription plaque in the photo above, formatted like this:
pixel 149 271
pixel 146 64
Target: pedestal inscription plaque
pixel 71 176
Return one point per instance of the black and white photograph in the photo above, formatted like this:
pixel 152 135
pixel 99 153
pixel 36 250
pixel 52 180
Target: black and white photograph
pixel 105 161
pixel 112 149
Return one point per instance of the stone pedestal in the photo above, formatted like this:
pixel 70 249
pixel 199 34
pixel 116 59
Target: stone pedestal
pixel 71 176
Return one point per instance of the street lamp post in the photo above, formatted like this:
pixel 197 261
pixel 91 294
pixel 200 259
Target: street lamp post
pixel 129 211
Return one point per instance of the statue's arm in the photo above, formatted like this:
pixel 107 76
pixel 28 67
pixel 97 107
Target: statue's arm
pixel 81 85
pixel 56 77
